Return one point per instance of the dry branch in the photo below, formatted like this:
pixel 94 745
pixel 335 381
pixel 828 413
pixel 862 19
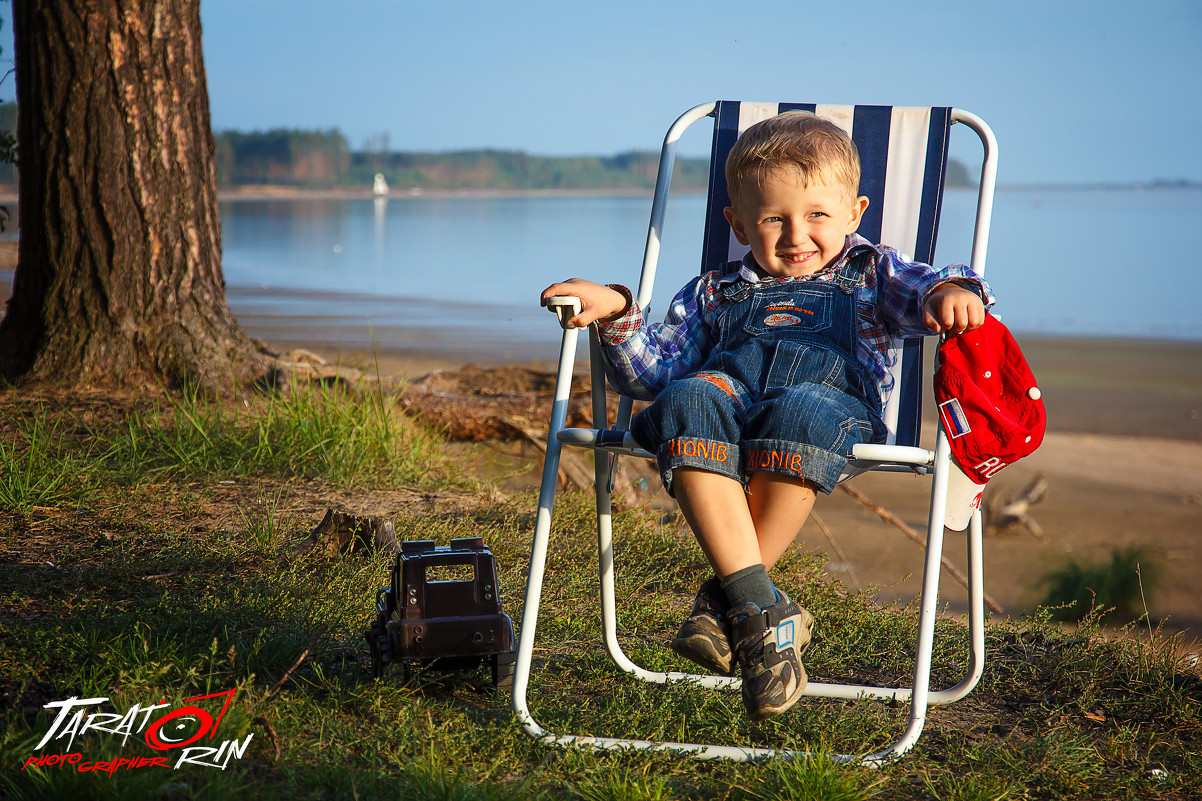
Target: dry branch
pixel 889 517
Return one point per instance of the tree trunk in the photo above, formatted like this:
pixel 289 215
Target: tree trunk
pixel 119 263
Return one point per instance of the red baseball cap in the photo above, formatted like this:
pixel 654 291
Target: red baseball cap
pixel 991 409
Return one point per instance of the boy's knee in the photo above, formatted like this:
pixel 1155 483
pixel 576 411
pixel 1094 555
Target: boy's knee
pixel 707 405
pixel 706 391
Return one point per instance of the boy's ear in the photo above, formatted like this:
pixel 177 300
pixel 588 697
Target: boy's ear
pixel 859 205
pixel 736 225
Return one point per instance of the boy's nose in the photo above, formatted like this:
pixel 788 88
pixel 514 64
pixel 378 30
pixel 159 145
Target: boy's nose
pixel 790 232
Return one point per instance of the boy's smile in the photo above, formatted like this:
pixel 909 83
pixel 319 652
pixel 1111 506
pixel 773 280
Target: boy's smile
pixel 794 228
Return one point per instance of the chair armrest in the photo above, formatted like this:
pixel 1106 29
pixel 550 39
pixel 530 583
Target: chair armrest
pixel 566 306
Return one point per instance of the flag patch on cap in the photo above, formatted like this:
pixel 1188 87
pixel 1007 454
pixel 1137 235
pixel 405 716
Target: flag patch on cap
pixel 955 421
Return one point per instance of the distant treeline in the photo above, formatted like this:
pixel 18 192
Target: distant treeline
pixel 324 159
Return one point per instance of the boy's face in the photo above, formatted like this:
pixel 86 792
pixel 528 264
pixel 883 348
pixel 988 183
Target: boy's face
pixel 793 228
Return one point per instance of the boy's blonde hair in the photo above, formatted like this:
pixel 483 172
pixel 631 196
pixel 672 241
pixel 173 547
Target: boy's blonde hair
pixel 800 140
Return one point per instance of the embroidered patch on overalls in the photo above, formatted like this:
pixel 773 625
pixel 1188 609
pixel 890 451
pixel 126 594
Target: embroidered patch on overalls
pixel 784 314
pixel 700 448
pixel 781 319
pixel 720 383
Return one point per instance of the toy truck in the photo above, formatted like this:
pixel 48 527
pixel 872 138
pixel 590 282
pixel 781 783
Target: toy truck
pixel 443 609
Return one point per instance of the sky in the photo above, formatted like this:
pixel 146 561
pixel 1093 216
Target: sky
pixel 1075 90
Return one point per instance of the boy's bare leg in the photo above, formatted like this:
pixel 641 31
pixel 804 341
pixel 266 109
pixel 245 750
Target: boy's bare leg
pixel 737 528
pixel 715 507
pixel 765 638
pixel 779 507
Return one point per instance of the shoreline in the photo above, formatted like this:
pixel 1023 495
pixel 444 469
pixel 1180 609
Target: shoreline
pixel 1091 385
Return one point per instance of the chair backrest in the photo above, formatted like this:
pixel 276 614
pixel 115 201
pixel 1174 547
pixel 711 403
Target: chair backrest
pixel 903 159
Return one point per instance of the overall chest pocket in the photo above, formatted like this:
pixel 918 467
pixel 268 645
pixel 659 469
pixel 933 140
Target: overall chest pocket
pixel 784 315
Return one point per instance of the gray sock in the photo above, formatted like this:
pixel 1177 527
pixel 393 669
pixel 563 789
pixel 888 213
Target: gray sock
pixel 713 585
pixel 750 585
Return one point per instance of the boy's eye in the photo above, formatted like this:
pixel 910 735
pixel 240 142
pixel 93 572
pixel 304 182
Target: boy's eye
pixel 772 219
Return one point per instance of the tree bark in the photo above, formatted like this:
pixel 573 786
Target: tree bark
pixel 119 263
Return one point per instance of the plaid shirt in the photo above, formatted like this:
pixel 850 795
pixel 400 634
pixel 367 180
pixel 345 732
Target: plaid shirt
pixel 641 360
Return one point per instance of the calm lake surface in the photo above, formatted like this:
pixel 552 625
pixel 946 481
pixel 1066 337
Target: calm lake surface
pixel 464 273
pixel 460 276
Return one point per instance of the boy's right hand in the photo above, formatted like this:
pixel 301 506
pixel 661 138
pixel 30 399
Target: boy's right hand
pixel 597 301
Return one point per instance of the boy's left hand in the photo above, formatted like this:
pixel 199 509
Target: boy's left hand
pixel 953 309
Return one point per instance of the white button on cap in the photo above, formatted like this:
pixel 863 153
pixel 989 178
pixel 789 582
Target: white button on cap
pixel 1034 394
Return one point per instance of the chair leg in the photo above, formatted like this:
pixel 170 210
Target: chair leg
pixel 542 534
pixel 976 621
pixel 921 698
pixel 920 695
pixel 609 615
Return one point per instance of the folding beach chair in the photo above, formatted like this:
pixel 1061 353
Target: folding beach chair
pixel 904 156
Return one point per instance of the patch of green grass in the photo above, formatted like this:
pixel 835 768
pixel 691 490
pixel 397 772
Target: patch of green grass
pixel 348 438
pixel 176 601
pixel 311 431
pixel 1117 589
pixel 266 523
pixel 39 468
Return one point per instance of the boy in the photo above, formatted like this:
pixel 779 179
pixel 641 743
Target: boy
pixel 763 378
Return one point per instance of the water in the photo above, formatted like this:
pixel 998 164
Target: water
pixel 458 274
pixel 1087 263
pixel 466 272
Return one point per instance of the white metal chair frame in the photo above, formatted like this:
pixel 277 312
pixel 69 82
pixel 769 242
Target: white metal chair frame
pixel 864 457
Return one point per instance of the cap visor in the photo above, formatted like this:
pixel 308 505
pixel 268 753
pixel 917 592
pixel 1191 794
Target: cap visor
pixel 963 498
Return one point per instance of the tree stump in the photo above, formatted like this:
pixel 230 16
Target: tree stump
pixel 344 533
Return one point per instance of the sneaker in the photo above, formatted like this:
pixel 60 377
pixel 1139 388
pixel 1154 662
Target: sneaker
pixel 704 637
pixel 768 645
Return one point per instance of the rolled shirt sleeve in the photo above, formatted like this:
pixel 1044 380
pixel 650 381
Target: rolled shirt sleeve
pixel 640 360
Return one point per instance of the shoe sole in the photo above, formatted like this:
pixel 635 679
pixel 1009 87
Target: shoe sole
pixel 764 713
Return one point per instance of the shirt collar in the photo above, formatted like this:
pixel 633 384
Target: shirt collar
pixel 750 271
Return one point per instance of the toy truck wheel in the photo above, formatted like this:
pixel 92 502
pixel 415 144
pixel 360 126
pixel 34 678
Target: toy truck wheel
pixel 502 671
pixel 377 653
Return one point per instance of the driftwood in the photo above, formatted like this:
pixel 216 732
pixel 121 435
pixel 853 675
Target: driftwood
pixel 830 538
pixel 478 404
pixel 1005 513
pixel 300 365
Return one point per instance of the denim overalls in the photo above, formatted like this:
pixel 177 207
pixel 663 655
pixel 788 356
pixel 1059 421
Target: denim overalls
pixel 783 392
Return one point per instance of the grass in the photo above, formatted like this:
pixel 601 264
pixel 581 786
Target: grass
pixel 320 431
pixel 148 553
pixel 35 467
